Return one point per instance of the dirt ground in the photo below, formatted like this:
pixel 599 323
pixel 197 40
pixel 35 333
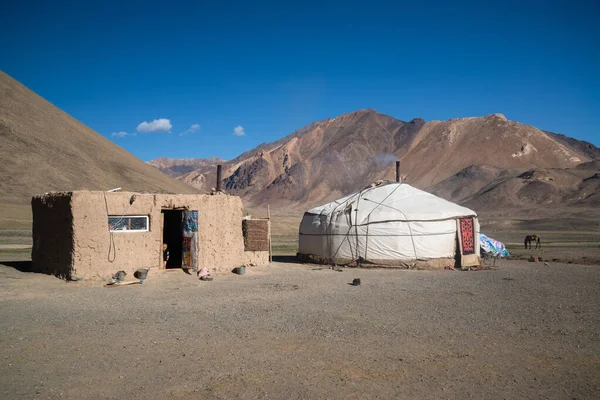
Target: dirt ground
pixel 294 331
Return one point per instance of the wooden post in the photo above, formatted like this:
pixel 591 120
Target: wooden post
pixel 270 247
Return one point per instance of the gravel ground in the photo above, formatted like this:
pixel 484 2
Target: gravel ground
pixel 290 331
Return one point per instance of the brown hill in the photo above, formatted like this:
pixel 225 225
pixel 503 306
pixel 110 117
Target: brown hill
pixel 44 149
pixel 544 187
pixel 320 161
pixel 330 158
pixel 441 149
pixel 542 199
pixel 467 182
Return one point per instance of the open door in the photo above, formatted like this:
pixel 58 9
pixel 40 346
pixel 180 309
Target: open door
pixel 465 241
pixel 457 252
pixel 173 236
pixel 180 233
pixel 190 240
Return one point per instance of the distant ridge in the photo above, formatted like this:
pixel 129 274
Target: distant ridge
pixel 179 166
pixel 456 159
pixel 581 146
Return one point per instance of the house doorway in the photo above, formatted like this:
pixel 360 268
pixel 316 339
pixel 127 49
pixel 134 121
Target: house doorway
pixel 173 236
pixel 180 233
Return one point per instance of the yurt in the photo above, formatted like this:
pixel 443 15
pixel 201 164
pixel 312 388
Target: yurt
pixel 391 224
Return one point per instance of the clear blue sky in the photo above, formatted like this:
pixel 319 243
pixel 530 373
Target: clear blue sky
pixel 273 67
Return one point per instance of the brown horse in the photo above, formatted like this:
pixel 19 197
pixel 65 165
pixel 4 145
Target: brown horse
pixel 533 238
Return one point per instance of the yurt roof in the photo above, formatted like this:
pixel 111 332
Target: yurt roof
pixel 391 201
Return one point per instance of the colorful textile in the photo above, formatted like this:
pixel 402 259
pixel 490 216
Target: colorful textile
pixel 493 246
pixel 190 240
pixel 190 221
pixel 467 234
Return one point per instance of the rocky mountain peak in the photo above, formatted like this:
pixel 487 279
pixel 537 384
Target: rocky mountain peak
pixel 334 157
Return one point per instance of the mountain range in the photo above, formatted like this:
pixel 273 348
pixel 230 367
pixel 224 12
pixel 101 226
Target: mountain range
pixel 488 163
pixel 491 164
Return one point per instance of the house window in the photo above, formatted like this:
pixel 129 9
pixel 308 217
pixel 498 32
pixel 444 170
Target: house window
pixel 128 223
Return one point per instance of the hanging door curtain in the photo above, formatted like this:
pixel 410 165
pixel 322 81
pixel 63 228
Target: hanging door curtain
pixel 467 235
pixel 190 240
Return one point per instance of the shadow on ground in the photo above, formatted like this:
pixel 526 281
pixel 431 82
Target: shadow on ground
pixel 23 266
pixel 285 259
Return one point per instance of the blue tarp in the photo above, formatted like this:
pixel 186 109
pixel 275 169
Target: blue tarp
pixel 493 246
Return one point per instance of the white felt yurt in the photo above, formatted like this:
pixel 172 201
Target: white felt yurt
pixel 391 224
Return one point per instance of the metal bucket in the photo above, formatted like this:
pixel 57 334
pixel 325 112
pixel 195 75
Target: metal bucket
pixel 240 270
pixel 141 273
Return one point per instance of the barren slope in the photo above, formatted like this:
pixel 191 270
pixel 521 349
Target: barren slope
pixel 580 146
pixel 45 149
pixel 553 187
pixel 333 157
pixel 466 182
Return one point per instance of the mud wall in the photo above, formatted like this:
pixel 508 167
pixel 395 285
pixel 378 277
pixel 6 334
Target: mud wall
pixel 71 235
pixel 430 264
pixel 220 240
pixel 52 234
pixel 256 234
pixel 98 253
pixel 256 257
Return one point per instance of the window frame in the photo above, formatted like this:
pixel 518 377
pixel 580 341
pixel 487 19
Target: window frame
pixel 147 229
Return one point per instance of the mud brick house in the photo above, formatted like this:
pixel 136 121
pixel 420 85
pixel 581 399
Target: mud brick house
pixel 93 234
